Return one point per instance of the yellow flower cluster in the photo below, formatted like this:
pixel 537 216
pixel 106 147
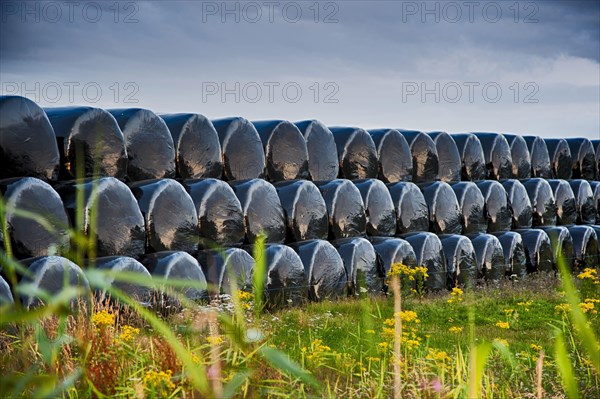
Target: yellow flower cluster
pixel 399 269
pixel 589 274
pixel 562 308
pixel 455 330
pixel 501 341
pixel 535 347
pixel 525 305
pixel 508 312
pixel 503 325
pixel 317 350
pixel 408 316
pixel 159 382
pixel 456 295
pixel 216 340
pixel 438 356
pixel 588 306
pixel 245 295
pixel 103 318
pixel 128 333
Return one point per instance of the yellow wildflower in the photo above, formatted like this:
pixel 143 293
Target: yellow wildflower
pixel 245 295
pixel 503 324
pixel 408 316
pixel 455 330
pixel 103 318
pixel 369 331
pixel 456 295
pixel 588 307
pixel 535 347
pixel 438 356
pixel 501 341
pixel 389 322
pixel 159 382
pixel 216 340
pixel 384 345
pixel 562 308
pixel 588 273
pixel 128 333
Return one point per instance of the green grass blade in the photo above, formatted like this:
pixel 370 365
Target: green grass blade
pixel 564 366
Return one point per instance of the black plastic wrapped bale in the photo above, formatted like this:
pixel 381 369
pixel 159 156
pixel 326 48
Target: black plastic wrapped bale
pixel 461 260
pixel 424 153
pixel 262 210
pixel 180 267
pixel 430 254
pixel 521 160
pixel 538 250
pixel 51 274
pixel 323 161
pixel 490 256
pixel 584 201
pixel 220 266
pixel 220 216
pixel 6 297
pixel 584 158
pixel 412 214
pixel 379 208
pixel 543 204
pixel 566 209
pixel 596 144
pixel 562 244
pixel 596 188
pixel 150 149
pixel 497 210
pixel 515 261
pixel 519 203
pixel 196 144
pixel 393 153
pixel 448 157
pixel 304 210
pixel 345 209
pixel 286 153
pixel 444 212
pixel 364 271
pixel 471 157
pixel 324 269
pixel 113 265
pixel 497 155
pixel 169 214
pixel 28 238
pixel 585 245
pixel 119 227
pixel 560 158
pixel 27 142
pixel 356 151
pixel 242 151
pixel 393 250
pixel 472 207
pixel 285 283
pixel 540 159
pixel 90 136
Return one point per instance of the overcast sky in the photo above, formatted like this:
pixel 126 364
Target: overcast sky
pixel 530 67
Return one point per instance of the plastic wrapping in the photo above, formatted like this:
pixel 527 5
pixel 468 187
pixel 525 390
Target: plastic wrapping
pixel 393 153
pixel 345 209
pixel 472 207
pixel 560 158
pixel 379 208
pixel 50 274
pixel 444 212
pixel 497 210
pixel 596 144
pixel 196 144
pixel 584 201
pixel 150 149
pixel 424 156
pixel 543 204
pixel 585 245
pixel 323 162
pixel 177 265
pixel 521 160
pixel 324 269
pixel 584 158
pixel 461 261
pixel 27 142
pixel 490 256
pixel 364 271
pixel 95 135
pixel 519 203
pixel 169 214
pixel 566 209
pixel 286 282
pixel 220 216
pixel 515 261
pixel 286 154
pixel 29 238
pixel 448 157
pixel 497 155
pixel 304 210
pixel 119 227
pixel 562 244
pixel 430 253
pixel 220 266
pixel 393 250
pixel 596 188
pixel 410 206
pixel 538 250
pixel 471 156
pixel 6 297
pixel 356 151
pixel 116 264
pixel 242 151
pixel 262 210
pixel 540 159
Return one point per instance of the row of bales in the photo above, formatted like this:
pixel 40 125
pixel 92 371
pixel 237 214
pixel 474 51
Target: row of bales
pixel 180 196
